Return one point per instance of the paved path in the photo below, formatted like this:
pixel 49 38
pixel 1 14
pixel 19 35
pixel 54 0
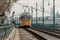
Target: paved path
pixel 25 35
pixel 17 35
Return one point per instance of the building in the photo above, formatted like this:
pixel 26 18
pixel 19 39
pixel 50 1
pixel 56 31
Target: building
pixel 57 15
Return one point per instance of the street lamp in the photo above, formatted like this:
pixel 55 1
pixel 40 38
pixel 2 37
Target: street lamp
pixel 48 2
pixel 13 17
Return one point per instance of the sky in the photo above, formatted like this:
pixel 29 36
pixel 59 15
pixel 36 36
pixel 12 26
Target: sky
pixel 17 7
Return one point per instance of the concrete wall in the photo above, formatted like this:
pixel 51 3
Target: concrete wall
pixel 12 35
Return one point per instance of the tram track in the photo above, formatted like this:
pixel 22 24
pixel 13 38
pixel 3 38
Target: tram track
pixel 51 33
pixel 36 35
pixel 51 30
pixel 29 34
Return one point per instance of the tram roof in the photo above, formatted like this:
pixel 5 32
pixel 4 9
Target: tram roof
pixel 25 15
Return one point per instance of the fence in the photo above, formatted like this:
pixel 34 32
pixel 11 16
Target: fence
pixel 47 24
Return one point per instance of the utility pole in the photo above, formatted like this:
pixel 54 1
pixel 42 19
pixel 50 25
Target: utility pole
pixel 29 9
pixel 36 13
pixel 43 12
pixel 32 13
pixel 24 10
pixel 32 10
pixel 54 13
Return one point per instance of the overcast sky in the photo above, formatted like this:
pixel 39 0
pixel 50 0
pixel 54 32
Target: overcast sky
pixel 17 7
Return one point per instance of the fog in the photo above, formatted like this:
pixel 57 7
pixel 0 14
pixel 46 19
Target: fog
pixel 18 8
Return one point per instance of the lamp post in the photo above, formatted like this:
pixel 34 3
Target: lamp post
pixel 13 17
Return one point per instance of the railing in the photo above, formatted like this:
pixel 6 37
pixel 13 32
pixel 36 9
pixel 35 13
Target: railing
pixel 5 31
pixel 47 24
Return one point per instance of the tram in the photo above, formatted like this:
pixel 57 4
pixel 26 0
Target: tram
pixel 25 19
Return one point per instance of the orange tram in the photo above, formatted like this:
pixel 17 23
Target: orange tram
pixel 25 20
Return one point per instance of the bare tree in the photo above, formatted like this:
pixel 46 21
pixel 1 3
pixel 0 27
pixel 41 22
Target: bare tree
pixel 4 4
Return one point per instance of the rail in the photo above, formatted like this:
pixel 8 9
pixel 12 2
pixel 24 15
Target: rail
pixel 49 31
pixel 36 35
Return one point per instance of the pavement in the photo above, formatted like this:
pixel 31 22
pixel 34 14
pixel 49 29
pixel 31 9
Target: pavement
pixel 17 37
